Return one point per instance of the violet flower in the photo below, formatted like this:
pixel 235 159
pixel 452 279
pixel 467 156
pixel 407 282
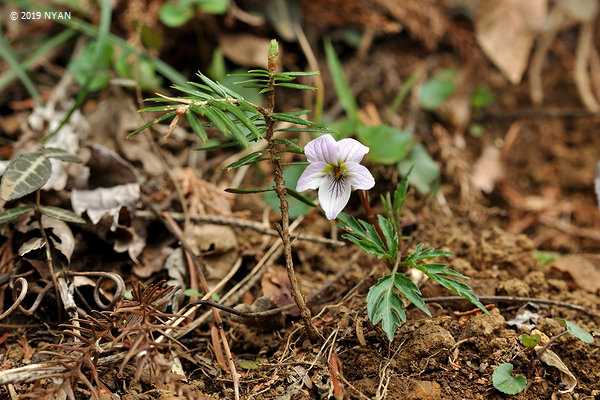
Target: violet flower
pixel 334 169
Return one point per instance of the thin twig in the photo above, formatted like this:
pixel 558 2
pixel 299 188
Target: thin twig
pixel 514 299
pixel 243 223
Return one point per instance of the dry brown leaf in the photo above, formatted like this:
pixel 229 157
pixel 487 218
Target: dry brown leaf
pixel 245 49
pixel 506 30
pixel 567 378
pixel 105 201
pixel 334 372
pixel 276 286
pixel 584 272
pixel 488 169
pixel 580 10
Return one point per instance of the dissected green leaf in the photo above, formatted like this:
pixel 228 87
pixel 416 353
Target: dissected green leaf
pixel 390 234
pixel 192 293
pixel 224 124
pixel 25 174
pixel 213 6
pixel 152 122
pixel 529 341
pixel 363 235
pixel 385 305
pixel 60 154
pixel 299 196
pixel 13 213
pixel 387 145
pixel 62 214
pixel 577 331
pixel 248 191
pixel 505 382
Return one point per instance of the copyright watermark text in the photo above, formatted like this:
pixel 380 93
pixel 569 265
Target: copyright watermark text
pixel 35 15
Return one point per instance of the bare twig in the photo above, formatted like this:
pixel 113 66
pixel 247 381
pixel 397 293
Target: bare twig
pixel 514 299
pixel 243 223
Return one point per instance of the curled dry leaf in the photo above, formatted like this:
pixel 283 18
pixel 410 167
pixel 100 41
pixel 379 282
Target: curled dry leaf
pixel 567 378
pixel 219 247
pixel 101 201
pixel 276 286
pixel 506 30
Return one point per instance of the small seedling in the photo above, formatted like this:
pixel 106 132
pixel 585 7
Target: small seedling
pixel 502 378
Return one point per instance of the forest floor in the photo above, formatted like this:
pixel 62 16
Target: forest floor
pixel 516 206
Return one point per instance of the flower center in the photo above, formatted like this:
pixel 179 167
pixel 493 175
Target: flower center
pixel 337 172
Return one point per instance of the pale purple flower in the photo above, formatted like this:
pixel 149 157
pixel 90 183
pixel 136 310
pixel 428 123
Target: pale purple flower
pixel 334 169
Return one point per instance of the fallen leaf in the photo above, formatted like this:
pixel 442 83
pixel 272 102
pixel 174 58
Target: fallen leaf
pixel 276 286
pixel 245 49
pixel 584 272
pixel 334 372
pixel 580 10
pixel 567 378
pixel 506 30
pixel 488 169
pixel 105 201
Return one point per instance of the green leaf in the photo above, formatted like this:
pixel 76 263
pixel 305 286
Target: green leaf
pixel 299 196
pixel 363 235
pixel 192 293
pixel 289 117
pixel 295 86
pixel 342 88
pixel 529 341
pixel 290 144
pixel 13 213
pixel 152 122
pixel 506 383
pixel 62 214
pixel 387 145
pixel 196 125
pixel 251 364
pixel 576 331
pixel 482 97
pixel 385 305
pixel 296 73
pixel 224 124
pixel 175 14
pixel 390 234
pixel 213 6
pixel 60 154
pixel 25 174
pixel 238 113
pixel 82 66
pixel 299 204
pixel 546 257
pixel 249 159
pixel 435 91
pixel 425 170
pixel 400 194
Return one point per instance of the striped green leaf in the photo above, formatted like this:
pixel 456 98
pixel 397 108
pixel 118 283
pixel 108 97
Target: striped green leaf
pixel 25 174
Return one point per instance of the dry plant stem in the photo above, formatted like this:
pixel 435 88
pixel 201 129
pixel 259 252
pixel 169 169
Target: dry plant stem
pixel 514 299
pixel 49 259
pixel 172 226
pixel 243 223
pixel 582 56
pixel 284 229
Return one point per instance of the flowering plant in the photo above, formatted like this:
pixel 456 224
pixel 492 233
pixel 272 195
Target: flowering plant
pixel 334 169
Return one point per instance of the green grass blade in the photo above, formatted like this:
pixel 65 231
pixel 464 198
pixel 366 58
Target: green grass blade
pixel 7 54
pixel 340 83
pixel 48 45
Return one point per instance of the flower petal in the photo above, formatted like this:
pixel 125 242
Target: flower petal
pixel 359 176
pixel 334 195
pixel 312 177
pixel 324 148
pixel 351 150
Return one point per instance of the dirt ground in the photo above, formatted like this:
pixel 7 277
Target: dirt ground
pixel 541 204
